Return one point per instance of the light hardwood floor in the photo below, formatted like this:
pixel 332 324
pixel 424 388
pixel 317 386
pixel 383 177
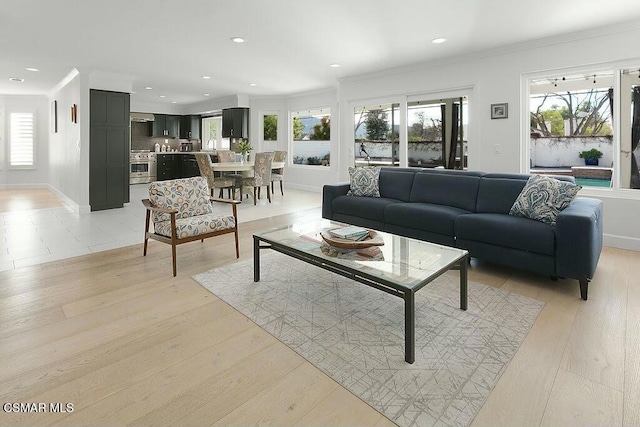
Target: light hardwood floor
pixel 115 335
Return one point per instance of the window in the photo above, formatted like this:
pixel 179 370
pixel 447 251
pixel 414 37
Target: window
pixel 437 133
pixel 311 137
pixel 212 134
pixel 376 135
pixel 571 127
pixel 21 141
pixel 270 132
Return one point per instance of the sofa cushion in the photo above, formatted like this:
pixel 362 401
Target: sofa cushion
pixel 508 231
pixel 396 183
pixel 364 181
pixel 458 190
pixel 497 192
pixel 363 207
pixel 423 216
pixel 543 198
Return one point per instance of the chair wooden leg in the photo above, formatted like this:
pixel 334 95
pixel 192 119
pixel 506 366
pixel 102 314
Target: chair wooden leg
pixel 146 233
pixel 229 192
pixel 281 190
pixel 174 239
pixel 268 193
pixel 255 201
pixel 259 193
pixel 272 186
pixel 173 257
pixel 221 193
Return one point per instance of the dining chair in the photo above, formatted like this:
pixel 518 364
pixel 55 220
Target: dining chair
pixel 278 156
pixel 261 175
pixel 182 211
pixel 228 156
pixel 206 171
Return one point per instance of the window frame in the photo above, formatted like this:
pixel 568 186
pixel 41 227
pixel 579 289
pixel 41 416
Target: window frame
pixel 290 141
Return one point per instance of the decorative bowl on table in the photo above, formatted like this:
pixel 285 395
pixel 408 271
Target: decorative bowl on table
pixel 374 239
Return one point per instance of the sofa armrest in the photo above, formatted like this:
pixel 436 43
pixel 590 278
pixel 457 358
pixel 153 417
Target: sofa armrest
pixel 330 192
pixel 579 238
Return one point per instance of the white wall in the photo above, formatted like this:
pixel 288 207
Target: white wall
pixel 24 178
pixel 65 145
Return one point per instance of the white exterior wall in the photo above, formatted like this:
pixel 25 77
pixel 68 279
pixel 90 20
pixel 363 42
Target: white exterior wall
pixel 38 175
pixel 565 152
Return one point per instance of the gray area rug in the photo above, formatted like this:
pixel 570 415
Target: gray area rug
pixel 355 334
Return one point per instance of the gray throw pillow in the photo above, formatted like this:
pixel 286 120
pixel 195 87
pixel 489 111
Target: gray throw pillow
pixel 543 198
pixel 364 181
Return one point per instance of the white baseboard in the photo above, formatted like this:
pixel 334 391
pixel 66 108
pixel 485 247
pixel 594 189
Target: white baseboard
pixel 66 200
pixel 23 186
pixel 622 242
pixel 308 188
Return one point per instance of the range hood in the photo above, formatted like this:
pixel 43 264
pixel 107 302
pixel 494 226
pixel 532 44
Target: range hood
pixel 142 117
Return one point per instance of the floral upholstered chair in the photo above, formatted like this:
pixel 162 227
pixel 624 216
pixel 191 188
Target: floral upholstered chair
pixel 182 212
pixel 278 156
pixel 261 175
pixel 206 171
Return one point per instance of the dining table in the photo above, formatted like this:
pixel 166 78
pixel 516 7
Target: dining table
pixel 241 166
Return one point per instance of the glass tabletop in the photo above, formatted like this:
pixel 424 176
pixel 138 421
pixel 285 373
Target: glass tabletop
pixel 403 261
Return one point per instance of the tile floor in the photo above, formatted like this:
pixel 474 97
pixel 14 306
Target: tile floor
pixel 35 236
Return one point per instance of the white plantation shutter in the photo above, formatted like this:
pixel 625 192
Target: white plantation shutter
pixel 21 143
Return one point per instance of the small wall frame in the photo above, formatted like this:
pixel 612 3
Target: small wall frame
pixel 500 111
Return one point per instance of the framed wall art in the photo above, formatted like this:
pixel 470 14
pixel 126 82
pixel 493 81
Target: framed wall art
pixel 500 111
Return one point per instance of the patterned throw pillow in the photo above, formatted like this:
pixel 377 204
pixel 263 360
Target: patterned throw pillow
pixel 364 181
pixel 543 197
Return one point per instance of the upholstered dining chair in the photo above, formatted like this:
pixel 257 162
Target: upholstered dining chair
pixel 261 175
pixel 278 156
pixel 206 171
pixel 228 156
pixel 182 212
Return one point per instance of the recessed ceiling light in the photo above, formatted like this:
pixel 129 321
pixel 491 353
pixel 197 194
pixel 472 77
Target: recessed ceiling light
pixel 206 94
pixel 334 65
pixel 16 79
pixel 253 84
pixel 206 77
pixel 162 96
pixel 148 87
pixel 438 40
pixel 174 102
pixel 237 39
pixel 31 69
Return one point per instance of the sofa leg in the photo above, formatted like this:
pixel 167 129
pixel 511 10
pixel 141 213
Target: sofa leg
pixel 584 286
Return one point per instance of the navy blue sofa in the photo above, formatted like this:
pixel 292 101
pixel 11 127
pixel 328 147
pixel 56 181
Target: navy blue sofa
pixel 470 210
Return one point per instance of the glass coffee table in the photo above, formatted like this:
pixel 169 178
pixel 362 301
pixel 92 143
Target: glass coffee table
pixel 400 267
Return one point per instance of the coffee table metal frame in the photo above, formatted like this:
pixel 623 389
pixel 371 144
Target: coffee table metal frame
pixel 390 287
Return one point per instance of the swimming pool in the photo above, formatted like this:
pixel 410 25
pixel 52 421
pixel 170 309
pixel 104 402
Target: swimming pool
pixel 593 182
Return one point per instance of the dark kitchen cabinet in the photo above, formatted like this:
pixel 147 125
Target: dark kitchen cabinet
pixel 109 135
pixel 174 166
pixel 165 166
pixel 235 123
pixel 165 125
pixel 190 127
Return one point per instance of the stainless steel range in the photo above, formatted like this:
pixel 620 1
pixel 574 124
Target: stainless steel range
pixel 143 167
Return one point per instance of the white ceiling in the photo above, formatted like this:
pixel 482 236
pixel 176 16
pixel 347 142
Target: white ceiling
pixel 169 45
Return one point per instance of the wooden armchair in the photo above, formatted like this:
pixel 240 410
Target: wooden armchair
pixel 182 212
